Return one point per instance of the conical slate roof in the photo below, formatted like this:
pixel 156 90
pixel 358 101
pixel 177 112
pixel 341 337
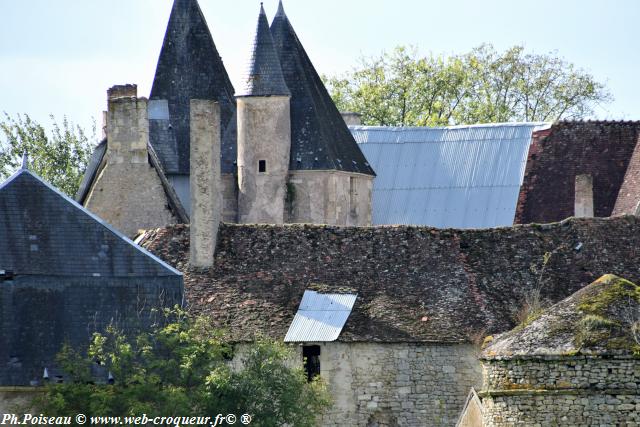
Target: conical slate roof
pixel 189 67
pixel 320 139
pixel 599 319
pixel 264 74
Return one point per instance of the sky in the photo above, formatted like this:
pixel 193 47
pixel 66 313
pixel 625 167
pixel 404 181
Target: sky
pixel 59 57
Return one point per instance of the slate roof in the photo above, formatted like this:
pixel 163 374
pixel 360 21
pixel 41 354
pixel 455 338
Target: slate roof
pixel 190 67
pixel 456 176
pixel 264 74
pixel 65 274
pixel 413 284
pixel 320 139
pixel 43 232
pixel 595 320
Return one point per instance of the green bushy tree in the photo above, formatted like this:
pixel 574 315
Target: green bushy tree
pixel 182 368
pixel 59 156
pixel 483 86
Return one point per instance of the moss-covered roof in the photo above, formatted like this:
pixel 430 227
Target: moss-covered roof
pixel 603 318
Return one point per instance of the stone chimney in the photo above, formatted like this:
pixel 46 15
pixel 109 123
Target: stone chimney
pixel 584 196
pixel 127 126
pixel 122 91
pixel 351 119
pixel 205 181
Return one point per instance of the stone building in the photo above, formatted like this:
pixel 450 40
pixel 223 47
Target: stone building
pixel 418 300
pixel 593 168
pixel 64 274
pixel 576 364
pixel 287 155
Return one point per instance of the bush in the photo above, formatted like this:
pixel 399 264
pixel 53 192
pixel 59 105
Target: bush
pixel 182 368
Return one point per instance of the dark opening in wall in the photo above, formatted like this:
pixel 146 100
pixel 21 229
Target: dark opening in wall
pixel 262 165
pixel 311 360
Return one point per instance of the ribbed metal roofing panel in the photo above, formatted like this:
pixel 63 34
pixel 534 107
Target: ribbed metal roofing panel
pixel 459 176
pixel 320 317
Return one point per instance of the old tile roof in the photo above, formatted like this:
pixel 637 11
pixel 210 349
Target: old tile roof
pixel 602 149
pixel 597 319
pixel 190 67
pixel 264 74
pixel 43 232
pixel 320 139
pixel 414 284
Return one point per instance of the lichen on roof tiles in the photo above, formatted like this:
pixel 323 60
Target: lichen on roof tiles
pixel 414 284
pixel 600 319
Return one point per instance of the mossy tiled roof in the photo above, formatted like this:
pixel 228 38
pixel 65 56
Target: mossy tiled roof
pixel 597 320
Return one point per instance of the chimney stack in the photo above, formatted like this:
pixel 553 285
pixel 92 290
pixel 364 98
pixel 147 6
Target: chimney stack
pixel 122 91
pixel 583 207
pixel 205 181
pixel 351 118
pixel 127 126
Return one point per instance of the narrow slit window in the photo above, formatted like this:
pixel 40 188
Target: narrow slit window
pixel 262 166
pixel 353 195
pixel 311 359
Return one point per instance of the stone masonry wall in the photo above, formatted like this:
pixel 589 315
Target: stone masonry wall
pixel 400 384
pixel 599 149
pixel 561 391
pixel 573 372
pixel 328 197
pixel 564 409
pixel 127 192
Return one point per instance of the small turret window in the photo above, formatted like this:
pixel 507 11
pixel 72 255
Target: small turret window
pixel 262 166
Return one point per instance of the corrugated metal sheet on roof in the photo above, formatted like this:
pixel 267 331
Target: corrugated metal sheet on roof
pixel 320 317
pixel 459 176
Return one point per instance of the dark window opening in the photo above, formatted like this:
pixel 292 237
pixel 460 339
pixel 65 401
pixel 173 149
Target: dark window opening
pixel 311 360
pixel 353 196
pixel 262 165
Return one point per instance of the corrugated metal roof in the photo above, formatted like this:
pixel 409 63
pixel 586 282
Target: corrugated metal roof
pixel 320 317
pixel 459 176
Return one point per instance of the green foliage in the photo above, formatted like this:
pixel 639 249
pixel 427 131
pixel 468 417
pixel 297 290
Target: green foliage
pixel 482 86
pixel 60 157
pixel 181 368
pixel 610 317
pixel 619 291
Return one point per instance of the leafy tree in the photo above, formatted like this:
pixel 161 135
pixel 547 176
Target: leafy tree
pixel 482 86
pixel 60 156
pixel 182 369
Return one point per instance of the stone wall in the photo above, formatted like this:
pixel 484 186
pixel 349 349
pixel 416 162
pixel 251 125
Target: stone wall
pixel 561 409
pixel 568 149
pixel 561 373
pixel 17 400
pixel 386 384
pixel 264 137
pixel 127 192
pixel 329 197
pixel 564 391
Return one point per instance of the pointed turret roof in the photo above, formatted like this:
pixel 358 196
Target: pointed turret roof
pixel 320 139
pixel 189 67
pixel 264 74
